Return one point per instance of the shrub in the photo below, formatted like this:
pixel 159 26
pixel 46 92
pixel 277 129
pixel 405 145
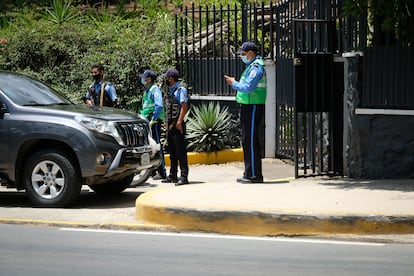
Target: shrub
pixel 61 54
pixel 208 127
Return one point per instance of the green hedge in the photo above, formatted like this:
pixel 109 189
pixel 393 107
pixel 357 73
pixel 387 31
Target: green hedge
pixel 61 54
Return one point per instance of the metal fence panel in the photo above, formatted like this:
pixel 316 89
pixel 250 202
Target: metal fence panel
pixel 388 78
pixel 208 37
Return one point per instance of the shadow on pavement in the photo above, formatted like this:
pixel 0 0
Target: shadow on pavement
pixel 14 199
pixel 87 199
pixel 91 200
pixel 402 185
pixel 275 182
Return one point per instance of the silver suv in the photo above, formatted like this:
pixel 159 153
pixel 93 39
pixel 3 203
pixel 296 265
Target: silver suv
pixel 50 147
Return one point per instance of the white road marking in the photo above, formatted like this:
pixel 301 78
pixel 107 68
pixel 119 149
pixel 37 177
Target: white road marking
pixel 229 237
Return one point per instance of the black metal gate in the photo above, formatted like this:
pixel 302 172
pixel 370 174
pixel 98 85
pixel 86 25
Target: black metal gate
pixel 305 39
pixel 318 93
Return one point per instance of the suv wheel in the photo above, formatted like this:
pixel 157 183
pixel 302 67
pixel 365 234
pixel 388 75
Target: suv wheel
pixel 50 179
pixel 115 187
pixel 141 177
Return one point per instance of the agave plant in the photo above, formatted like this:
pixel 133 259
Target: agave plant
pixel 61 11
pixel 207 127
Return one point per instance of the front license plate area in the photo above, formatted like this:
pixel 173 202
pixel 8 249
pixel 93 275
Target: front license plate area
pixel 145 159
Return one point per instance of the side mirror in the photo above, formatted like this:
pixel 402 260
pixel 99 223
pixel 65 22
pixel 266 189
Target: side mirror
pixel 3 108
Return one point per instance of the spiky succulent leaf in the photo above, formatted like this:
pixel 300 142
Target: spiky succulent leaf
pixel 207 127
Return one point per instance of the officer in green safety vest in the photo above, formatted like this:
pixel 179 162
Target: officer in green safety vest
pixel 153 110
pixel 251 95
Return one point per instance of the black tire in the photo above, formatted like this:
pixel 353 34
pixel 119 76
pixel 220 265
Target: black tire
pixel 51 179
pixel 115 187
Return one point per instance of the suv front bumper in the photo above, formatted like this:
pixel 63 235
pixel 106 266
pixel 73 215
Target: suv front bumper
pixel 122 163
pixel 133 159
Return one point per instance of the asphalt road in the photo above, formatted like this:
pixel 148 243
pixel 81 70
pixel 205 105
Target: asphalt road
pixel 28 250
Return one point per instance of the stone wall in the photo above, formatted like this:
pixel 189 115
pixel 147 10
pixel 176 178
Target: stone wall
pixel 386 145
pixel 378 143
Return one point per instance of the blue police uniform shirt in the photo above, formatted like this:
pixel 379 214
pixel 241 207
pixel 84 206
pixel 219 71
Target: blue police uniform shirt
pixel 109 89
pixel 180 94
pixel 253 76
pixel 156 96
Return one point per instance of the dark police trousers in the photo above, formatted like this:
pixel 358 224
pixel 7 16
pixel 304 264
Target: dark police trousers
pixel 156 134
pixel 177 147
pixel 252 122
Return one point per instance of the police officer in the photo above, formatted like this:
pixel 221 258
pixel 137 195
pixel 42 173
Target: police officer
pixel 251 95
pixel 176 105
pixel 94 96
pixel 153 110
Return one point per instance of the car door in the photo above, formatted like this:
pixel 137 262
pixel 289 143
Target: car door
pixel 4 138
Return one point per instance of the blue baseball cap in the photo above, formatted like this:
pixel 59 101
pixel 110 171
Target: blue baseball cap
pixel 247 46
pixel 171 72
pixel 148 74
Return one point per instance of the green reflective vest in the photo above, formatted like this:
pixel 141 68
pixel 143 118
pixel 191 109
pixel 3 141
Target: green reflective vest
pixel 148 105
pixel 258 95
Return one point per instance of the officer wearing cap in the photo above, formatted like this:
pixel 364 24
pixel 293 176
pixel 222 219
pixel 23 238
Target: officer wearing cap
pixel 176 105
pixel 251 95
pixel 153 110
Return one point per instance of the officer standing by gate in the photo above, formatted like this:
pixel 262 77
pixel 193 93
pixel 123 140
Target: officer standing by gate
pixel 251 95
pixel 153 110
pixel 176 105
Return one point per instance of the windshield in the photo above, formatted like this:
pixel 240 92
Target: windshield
pixel 23 90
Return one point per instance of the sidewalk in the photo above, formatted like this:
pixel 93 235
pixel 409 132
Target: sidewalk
pixel 215 202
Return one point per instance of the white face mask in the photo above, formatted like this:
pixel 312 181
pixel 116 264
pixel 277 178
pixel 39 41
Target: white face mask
pixel 245 59
pixel 143 81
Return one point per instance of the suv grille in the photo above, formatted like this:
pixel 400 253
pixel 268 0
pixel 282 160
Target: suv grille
pixel 134 133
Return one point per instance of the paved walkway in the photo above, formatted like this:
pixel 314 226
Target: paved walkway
pixel 215 202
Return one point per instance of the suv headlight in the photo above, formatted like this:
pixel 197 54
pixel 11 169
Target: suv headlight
pixel 100 126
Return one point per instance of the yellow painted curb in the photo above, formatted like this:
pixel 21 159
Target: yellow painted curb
pixel 224 156
pixel 266 224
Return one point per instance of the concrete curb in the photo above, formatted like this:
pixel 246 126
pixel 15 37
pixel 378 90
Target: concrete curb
pixel 268 224
pixel 224 156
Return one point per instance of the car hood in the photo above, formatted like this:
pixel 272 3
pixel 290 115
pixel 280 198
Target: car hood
pixel 105 113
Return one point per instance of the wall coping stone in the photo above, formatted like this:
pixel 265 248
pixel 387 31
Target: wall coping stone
pixel 374 111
